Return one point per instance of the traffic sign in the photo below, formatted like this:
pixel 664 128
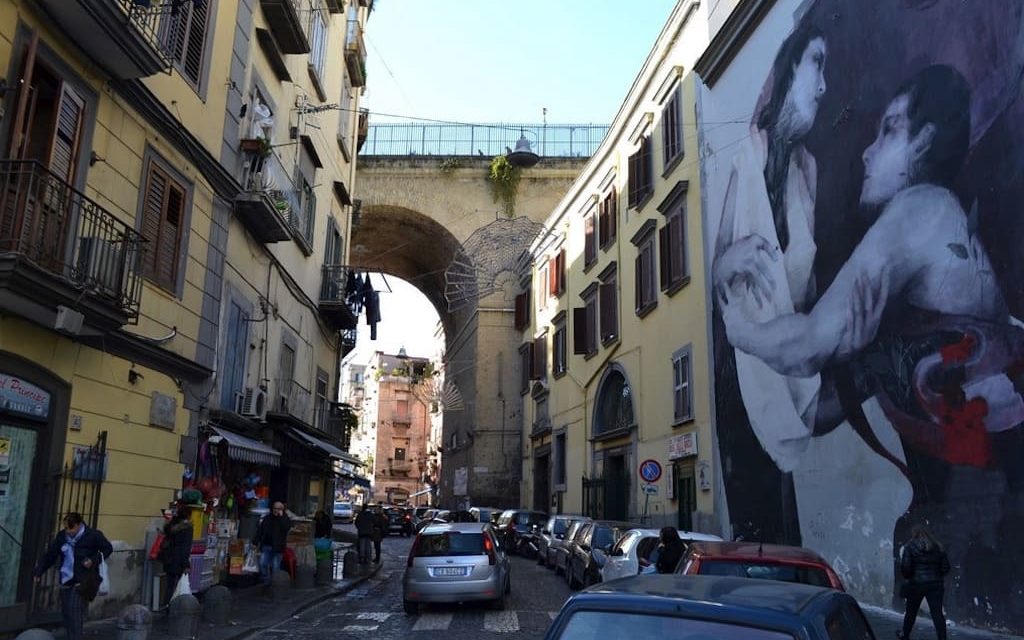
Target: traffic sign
pixel 650 470
pixel 651 489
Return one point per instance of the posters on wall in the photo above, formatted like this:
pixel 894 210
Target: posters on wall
pixel 862 188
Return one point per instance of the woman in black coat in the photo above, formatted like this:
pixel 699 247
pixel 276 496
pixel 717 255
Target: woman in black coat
pixel 924 565
pixel 670 550
pixel 176 549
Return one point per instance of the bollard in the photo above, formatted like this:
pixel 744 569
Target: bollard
pixel 350 564
pixel 35 634
pixel 280 580
pixel 134 623
pixel 324 571
pixel 304 575
pixel 217 604
pixel 184 617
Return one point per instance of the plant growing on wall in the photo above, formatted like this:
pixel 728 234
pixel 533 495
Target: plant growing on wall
pixel 449 165
pixel 504 181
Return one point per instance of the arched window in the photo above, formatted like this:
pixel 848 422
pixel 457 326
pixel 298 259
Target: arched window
pixel 614 405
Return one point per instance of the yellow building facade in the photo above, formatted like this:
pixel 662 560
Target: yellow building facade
pixel 615 362
pixel 175 205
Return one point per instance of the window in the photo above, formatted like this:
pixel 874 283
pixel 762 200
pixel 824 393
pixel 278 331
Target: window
pixel 673 265
pixel 672 129
pixel 614 411
pixel 539 364
pixel 402 408
pixel 318 42
pixel 584 323
pixel 308 211
pixel 589 239
pixel 608 219
pixel 608 304
pixel 235 351
pixel 646 287
pixel 556 274
pixel 399 453
pixel 163 217
pixel 682 394
pixel 522 319
pixel 286 367
pixel 641 180
pixel 184 38
pixel 558 348
pixel 559 458
pixel 525 366
pixel 321 409
pixel 543 282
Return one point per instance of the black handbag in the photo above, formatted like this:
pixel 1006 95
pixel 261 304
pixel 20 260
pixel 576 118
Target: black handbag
pixel 89 584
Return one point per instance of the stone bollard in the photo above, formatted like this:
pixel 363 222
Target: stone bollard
pixel 350 564
pixel 324 571
pixel 280 580
pixel 217 604
pixel 184 617
pixel 304 575
pixel 35 634
pixel 134 623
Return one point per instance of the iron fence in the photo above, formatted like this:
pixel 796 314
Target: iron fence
pixel 488 140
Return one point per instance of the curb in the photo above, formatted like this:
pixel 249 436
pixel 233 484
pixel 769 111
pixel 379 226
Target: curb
pixel 247 632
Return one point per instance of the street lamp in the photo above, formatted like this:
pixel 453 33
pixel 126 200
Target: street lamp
pixel 523 156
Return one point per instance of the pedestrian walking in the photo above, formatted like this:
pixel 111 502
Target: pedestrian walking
pixel 323 525
pixel 380 529
pixel 924 565
pixel 79 550
pixel 364 531
pixel 271 536
pixel 670 550
pixel 176 549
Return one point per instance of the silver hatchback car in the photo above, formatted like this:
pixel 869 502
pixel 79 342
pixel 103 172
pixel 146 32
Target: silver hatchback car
pixel 456 562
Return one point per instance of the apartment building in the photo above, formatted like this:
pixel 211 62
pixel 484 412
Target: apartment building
pixel 177 195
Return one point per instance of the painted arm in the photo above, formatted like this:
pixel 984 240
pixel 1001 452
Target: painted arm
pixel 744 258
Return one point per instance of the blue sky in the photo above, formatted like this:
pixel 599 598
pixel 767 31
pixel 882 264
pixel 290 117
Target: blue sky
pixel 487 61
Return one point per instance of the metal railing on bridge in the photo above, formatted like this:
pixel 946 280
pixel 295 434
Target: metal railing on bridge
pixel 489 140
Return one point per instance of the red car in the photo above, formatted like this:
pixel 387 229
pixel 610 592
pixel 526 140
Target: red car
pixel 756 560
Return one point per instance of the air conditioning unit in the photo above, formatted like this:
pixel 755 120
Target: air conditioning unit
pixel 252 403
pixel 99 265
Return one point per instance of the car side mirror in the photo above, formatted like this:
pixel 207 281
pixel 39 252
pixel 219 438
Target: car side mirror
pixel 617 553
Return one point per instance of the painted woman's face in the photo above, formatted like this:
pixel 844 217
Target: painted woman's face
pixel 887 161
pixel 807 90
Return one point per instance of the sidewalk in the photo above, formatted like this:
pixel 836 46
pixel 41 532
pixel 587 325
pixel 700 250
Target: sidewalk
pixel 886 622
pixel 251 610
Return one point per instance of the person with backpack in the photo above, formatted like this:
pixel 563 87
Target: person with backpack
pixel 924 565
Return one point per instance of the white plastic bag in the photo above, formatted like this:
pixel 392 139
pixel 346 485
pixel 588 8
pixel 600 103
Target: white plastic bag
pixel 183 588
pixel 104 578
pixel 251 564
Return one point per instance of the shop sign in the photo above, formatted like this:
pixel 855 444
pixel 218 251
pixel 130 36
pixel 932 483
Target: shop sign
pixel 23 398
pixel 682 446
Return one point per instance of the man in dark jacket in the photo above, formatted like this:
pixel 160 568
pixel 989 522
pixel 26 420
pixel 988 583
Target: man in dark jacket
pixel 176 549
pixel 380 529
pixel 270 539
pixel 365 524
pixel 924 565
pixel 80 550
pixel 670 550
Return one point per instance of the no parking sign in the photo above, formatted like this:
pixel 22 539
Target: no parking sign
pixel 650 470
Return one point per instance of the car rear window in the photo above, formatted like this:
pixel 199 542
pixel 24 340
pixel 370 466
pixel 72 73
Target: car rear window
pixel 601 625
pixel 560 526
pixel 603 538
pixel 765 571
pixel 450 543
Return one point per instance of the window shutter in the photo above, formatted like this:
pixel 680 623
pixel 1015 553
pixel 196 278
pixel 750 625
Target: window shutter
pixel 602 226
pixel 167 263
pixel 560 271
pixel 192 62
pixel 610 202
pixel 634 179
pixel 589 241
pixel 539 364
pixel 678 243
pixel 553 277
pixel 152 213
pixel 664 253
pixel 639 282
pixel 522 310
pixel 579 331
pixel 64 153
pixel 609 316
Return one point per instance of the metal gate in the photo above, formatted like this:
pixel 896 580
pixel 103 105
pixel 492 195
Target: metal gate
pixel 606 497
pixel 79 483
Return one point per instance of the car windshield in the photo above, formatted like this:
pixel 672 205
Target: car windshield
pixel 781 572
pixel 603 538
pixel 560 526
pixel 450 543
pixel 601 625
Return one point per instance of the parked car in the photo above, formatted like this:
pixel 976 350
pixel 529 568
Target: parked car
pixel 552 534
pixel 559 549
pixel 399 521
pixel 589 550
pixel 484 514
pixel 636 551
pixel 514 522
pixel 456 562
pixel 677 606
pixel 755 560
pixel 343 512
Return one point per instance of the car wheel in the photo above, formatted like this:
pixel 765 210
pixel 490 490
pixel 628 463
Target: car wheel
pixel 411 608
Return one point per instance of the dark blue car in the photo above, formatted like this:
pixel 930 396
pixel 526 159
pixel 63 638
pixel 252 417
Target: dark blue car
pixel 677 607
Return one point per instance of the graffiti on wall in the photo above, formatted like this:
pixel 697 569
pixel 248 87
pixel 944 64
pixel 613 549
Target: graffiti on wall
pixel 864 189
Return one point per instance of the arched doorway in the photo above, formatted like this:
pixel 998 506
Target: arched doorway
pixel 613 427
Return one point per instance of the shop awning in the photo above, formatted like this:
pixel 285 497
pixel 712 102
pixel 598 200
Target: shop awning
pixel 361 481
pixel 246 449
pixel 317 443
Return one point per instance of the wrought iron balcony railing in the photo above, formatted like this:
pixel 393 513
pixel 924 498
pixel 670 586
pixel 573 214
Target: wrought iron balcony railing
pixel 268 196
pixel 488 140
pixel 293 399
pixel 288 21
pixel 69 235
pixel 339 307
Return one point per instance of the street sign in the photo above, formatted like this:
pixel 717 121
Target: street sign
pixel 650 470
pixel 651 489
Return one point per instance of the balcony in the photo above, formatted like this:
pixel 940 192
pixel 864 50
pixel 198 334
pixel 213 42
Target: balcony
pixel 60 248
pixel 264 202
pixel 336 308
pixel 355 54
pixel 128 40
pixel 362 129
pixel 348 342
pixel 401 419
pixel 335 6
pixel 285 19
pixel 293 399
pixel 400 466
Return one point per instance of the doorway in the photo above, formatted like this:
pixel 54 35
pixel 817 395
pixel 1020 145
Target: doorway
pixel 542 483
pixel 686 493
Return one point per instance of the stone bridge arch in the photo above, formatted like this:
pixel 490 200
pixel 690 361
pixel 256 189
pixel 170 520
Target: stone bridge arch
pixel 419 214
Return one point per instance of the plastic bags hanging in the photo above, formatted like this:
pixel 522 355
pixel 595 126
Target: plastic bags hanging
pixel 183 588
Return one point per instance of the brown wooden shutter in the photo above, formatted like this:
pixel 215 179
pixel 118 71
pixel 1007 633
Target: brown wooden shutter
pixel 64 151
pixel 589 241
pixel 152 214
pixel 552 278
pixel 522 305
pixel 633 180
pixel 539 363
pixel 608 297
pixel 194 37
pixel 602 225
pixel 610 205
pixel 170 235
pixel 664 253
pixel 677 246
pixel 560 263
pixel 579 331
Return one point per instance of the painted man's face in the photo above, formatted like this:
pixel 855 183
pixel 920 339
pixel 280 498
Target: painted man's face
pixel 887 161
pixel 807 90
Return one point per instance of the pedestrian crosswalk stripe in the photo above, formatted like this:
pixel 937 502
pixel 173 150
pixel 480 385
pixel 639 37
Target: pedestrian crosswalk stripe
pixel 433 622
pixel 360 627
pixel 379 616
pixel 501 621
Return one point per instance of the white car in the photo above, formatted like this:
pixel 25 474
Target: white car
pixel 632 553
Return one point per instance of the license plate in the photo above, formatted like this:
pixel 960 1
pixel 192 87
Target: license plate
pixel 450 571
